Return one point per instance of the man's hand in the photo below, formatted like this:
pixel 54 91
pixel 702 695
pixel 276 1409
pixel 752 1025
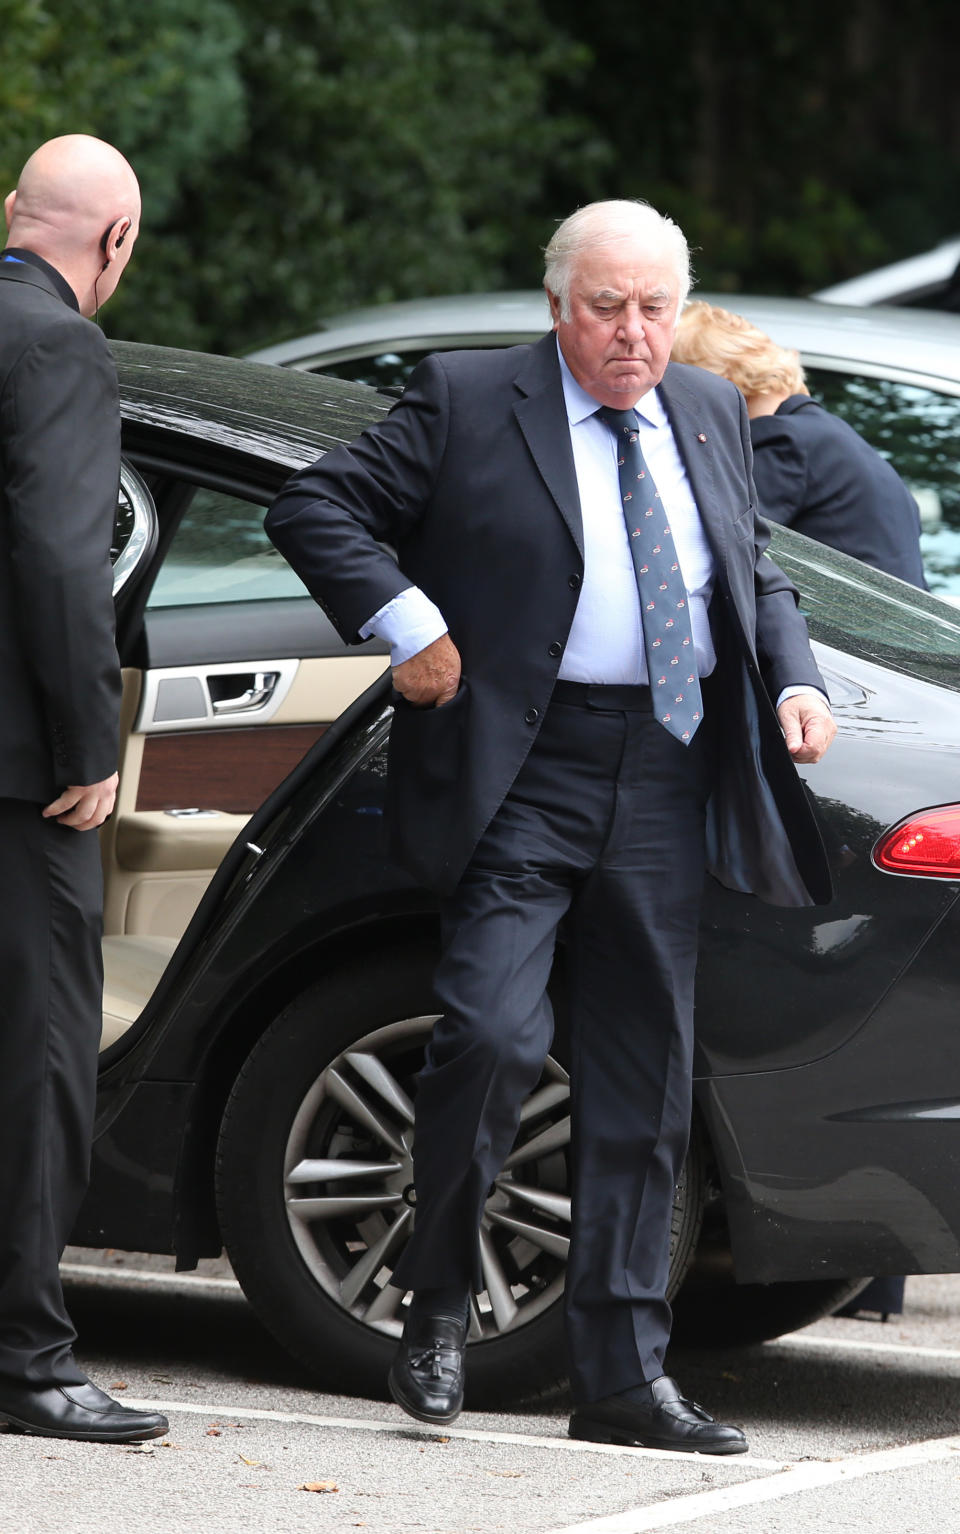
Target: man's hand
pixel 808 726
pixel 432 676
pixel 84 807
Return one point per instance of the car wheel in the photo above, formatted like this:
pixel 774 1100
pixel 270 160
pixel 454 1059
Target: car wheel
pixel 724 1314
pixel 315 1191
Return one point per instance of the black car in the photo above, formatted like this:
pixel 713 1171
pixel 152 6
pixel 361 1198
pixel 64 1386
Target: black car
pixel 268 989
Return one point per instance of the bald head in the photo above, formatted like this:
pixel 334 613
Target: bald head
pixel 77 204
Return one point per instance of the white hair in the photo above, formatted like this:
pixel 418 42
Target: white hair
pixel 603 223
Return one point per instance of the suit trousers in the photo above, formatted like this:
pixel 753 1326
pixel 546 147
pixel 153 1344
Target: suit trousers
pixel 50 1021
pixel 603 831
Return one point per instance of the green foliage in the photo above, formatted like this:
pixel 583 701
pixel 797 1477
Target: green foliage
pixel 389 151
pixel 160 81
pixel 307 155
pixel 302 156
pixel 795 144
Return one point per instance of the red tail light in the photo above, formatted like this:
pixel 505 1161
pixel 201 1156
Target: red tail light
pixel 927 845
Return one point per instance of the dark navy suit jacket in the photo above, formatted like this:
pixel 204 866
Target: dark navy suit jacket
pixel 59 478
pixel 815 473
pixel 471 479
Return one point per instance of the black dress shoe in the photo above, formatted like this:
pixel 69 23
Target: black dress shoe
pixel 655 1416
pixel 76 1411
pixel 426 1377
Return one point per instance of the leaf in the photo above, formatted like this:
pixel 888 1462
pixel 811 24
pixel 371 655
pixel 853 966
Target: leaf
pixel 214 1432
pixel 244 1461
pixel 119 1385
pixel 318 1486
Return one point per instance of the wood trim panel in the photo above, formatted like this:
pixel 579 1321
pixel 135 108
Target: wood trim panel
pixel 231 770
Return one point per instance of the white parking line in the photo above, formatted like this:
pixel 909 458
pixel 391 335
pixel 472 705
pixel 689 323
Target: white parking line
pixel 403 1427
pixel 788 1483
pixel 230 1285
pixel 854 1345
pixel 145 1276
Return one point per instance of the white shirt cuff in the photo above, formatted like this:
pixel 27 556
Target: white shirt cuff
pixel 408 623
pixel 796 692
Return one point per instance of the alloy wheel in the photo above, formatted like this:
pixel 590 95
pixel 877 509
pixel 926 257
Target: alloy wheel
pixel 348 1187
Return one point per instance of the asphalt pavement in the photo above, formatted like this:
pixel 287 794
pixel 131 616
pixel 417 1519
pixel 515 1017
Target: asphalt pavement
pixel 854 1428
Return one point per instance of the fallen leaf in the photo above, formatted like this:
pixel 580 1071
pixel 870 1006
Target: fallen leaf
pixel 119 1385
pixel 140 1448
pixel 318 1486
pixel 244 1461
pixel 214 1432
pixel 162 1379
pixel 726 1375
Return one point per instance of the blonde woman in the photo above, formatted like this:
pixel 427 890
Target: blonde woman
pixel 813 472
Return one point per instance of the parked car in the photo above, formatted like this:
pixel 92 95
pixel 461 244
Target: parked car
pixel 895 376
pixel 380 344
pixel 926 281
pixel 268 970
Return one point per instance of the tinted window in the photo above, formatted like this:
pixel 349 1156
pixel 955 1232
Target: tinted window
pixel 918 430
pixel 849 606
pixel 220 553
pixel 389 370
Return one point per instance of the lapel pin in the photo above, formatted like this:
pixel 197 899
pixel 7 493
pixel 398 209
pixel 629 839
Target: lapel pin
pixel 701 436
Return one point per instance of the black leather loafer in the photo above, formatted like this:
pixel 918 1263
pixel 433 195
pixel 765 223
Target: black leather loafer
pixel 76 1411
pixel 655 1416
pixel 426 1377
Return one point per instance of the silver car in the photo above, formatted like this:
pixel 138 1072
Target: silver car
pixel 927 281
pixel 894 374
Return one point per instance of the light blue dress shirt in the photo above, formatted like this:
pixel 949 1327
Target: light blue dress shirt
pixel 606 637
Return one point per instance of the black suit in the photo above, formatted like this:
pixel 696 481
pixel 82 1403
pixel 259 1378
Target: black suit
pixel 59 699
pixel 815 473
pixel 471 478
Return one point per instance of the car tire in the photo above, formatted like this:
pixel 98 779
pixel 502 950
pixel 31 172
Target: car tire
pixel 293 1111
pixel 723 1314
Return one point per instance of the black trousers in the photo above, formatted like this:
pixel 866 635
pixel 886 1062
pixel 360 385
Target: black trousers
pixel 604 830
pixel 50 1021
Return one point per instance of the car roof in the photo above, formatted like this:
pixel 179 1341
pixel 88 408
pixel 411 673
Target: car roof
pixel 268 414
pixel 471 319
pixel 888 341
pixel 902 342
pixel 901 281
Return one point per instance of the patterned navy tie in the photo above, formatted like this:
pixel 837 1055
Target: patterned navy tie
pixel 664 609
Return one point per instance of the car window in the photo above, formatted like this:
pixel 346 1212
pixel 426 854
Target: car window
pixel 388 370
pixel 918 430
pixel 220 553
pixel 852 607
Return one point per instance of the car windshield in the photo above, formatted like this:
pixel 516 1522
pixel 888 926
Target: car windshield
pixel 849 606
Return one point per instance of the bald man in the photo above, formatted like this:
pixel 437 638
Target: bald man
pixel 72 221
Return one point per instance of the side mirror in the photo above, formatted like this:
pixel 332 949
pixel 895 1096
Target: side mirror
pixel 135 533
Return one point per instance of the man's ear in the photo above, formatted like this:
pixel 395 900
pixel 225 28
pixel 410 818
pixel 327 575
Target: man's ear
pixel 8 203
pixel 554 303
pixel 115 236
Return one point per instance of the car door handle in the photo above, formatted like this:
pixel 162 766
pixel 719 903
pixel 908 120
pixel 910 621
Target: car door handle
pixel 254 696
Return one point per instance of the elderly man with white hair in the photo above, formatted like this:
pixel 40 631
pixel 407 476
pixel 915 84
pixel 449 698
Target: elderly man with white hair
pixel 590 653
pixel 73 221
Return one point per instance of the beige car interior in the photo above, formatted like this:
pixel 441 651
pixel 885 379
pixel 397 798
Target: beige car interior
pixel 158 863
